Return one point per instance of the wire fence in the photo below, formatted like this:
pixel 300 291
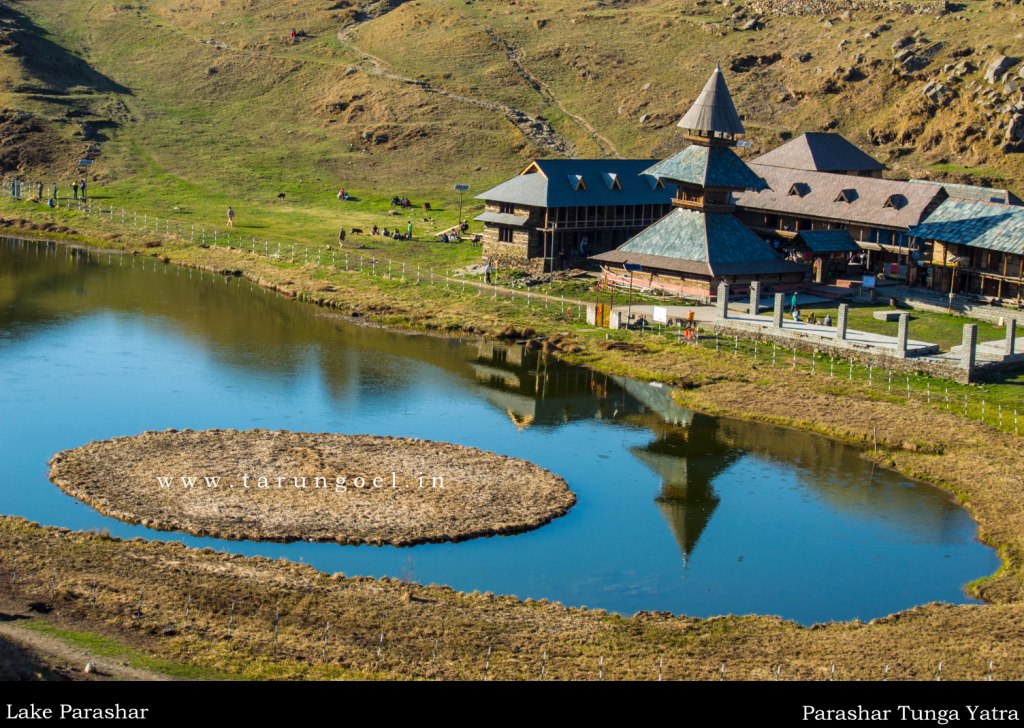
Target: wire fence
pixel 336 257
pixel 971 401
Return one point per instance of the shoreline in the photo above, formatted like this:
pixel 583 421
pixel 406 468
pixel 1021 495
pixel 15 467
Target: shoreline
pixel 745 394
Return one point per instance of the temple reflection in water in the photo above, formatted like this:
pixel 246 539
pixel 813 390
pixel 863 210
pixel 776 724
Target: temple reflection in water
pixel 687 452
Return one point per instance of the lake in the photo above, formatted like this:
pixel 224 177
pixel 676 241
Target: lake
pixel 676 511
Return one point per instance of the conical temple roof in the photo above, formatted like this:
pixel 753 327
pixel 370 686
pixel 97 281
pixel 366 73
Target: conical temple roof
pixel 713 111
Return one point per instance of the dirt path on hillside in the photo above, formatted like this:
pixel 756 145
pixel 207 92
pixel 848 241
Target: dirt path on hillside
pixel 68 660
pixel 515 56
pixel 539 132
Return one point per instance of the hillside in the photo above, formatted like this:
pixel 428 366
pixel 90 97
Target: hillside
pixel 193 104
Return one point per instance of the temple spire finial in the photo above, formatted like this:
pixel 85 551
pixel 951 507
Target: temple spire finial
pixel 713 112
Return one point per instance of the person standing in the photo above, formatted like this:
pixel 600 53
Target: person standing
pixel 341 237
pixel 408 231
pixel 231 217
pixel 39 191
pixel 74 189
pixel 81 187
pixel 487 272
pixel 55 197
pixel 792 303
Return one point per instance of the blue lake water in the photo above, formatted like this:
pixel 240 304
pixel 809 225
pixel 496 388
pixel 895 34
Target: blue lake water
pixel 676 511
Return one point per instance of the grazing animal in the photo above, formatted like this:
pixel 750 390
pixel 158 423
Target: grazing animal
pixel 280 195
pixel 357 231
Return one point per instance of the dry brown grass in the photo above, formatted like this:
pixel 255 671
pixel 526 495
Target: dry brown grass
pixel 355 489
pixel 219 611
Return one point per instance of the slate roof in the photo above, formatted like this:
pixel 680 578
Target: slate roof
pixel 884 203
pixel 820 152
pixel 690 241
pixel 979 224
pixel 708 167
pixel 713 111
pixel 551 186
pixel 971 193
pixel 502 218
pixel 829 241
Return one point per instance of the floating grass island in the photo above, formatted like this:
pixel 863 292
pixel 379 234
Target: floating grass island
pixel 287 486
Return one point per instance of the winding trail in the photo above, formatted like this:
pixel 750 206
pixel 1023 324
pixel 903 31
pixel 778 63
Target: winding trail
pixel 515 56
pixel 539 132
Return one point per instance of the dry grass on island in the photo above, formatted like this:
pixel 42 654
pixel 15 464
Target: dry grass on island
pixel 286 486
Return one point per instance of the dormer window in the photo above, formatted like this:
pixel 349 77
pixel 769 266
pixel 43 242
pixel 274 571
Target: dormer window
pixel 799 189
pixel 655 182
pixel 611 179
pixel 847 195
pixel 895 202
pixel 576 182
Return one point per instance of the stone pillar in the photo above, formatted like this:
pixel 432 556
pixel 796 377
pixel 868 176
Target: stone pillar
pixel 615 320
pixel 777 311
pixel 902 335
pixel 723 300
pixel 969 346
pixel 1011 336
pixel 844 310
pixel 592 314
pixel 755 297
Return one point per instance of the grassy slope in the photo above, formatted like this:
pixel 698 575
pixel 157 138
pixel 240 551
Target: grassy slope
pixel 196 126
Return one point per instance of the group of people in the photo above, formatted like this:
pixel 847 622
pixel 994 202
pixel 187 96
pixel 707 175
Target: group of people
pixel 395 234
pixel 17 190
pixel 454 236
pixel 397 201
pixel 812 318
pixel 343 195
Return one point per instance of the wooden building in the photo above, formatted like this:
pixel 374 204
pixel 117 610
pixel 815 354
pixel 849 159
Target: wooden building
pixel 822 152
pixel 974 248
pixel 878 213
pixel 701 243
pixel 558 211
pixel 828 252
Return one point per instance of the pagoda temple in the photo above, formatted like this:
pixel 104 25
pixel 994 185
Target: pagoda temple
pixel 701 243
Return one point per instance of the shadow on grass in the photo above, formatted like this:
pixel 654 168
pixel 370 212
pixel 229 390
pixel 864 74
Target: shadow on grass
pixel 53 65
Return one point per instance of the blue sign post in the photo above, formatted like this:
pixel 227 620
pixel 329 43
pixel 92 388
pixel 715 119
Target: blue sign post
pixel 461 189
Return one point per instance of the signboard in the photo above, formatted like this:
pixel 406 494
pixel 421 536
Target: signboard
pixel 633 267
pixel 867 281
pixel 660 315
pixel 84 162
pixel 462 188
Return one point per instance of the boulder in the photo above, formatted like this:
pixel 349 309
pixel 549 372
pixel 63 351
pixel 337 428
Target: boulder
pixel 937 92
pixel 901 43
pixel 997 68
pixel 1015 129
